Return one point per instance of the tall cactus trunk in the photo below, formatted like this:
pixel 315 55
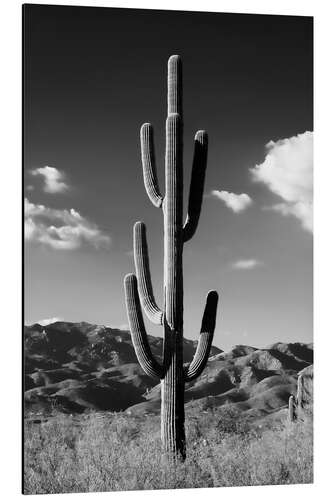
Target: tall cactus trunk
pixel 172 400
pixel 138 288
pixel 172 386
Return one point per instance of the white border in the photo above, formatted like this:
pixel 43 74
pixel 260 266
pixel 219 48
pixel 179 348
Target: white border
pixel 10 248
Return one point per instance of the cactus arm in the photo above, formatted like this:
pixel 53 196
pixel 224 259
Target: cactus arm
pixel 137 328
pixel 141 260
pixel 148 165
pixel 197 184
pixel 206 337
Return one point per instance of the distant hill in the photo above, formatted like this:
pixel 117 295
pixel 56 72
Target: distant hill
pixel 79 366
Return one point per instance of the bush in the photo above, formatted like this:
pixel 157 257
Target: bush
pixel 110 452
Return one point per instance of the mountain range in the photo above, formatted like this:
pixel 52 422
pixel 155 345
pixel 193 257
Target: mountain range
pixel 76 367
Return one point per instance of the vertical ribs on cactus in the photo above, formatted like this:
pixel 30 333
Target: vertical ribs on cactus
pixel 138 288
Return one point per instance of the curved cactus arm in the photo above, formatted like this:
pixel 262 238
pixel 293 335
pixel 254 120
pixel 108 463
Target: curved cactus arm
pixel 206 337
pixel 137 328
pixel 141 260
pixel 148 165
pixel 197 184
pixel 175 85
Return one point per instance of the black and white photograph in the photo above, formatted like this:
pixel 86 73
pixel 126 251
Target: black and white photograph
pixel 168 249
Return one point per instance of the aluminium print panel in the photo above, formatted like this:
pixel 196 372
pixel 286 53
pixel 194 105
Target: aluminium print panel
pixel 168 185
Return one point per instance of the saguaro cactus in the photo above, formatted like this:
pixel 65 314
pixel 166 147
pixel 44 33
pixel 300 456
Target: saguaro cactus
pixel 138 288
pixel 292 408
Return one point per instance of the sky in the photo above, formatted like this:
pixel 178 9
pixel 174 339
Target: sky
pixel 92 77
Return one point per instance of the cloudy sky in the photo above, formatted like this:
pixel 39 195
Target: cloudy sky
pixel 92 77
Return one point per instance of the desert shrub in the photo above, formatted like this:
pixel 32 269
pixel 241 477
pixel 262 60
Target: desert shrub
pixel 232 421
pixel 109 452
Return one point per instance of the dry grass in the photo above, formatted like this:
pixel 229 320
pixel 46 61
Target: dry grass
pixel 105 452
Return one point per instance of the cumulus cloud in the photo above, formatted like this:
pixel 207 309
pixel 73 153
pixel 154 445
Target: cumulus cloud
pixel 288 172
pixel 54 179
pixel 236 202
pixel 61 229
pixel 48 321
pixel 246 264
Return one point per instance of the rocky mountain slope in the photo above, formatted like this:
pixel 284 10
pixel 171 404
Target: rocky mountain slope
pixel 75 367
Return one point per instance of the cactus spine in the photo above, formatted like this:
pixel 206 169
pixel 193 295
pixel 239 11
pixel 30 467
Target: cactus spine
pixel 138 287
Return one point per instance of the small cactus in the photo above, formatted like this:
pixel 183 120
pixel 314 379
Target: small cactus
pixel 138 287
pixel 304 395
pixel 292 416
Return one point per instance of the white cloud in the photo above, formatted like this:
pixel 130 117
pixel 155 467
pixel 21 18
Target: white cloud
pixel 246 264
pixel 236 202
pixel 61 229
pixel 54 179
pixel 288 172
pixel 301 210
pixel 48 321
